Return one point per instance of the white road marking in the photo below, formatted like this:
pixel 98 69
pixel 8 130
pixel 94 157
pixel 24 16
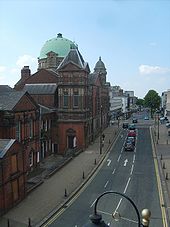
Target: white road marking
pixel 109 161
pixel 127 185
pixel 118 205
pixel 125 162
pixel 119 158
pixel 132 169
pixel 93 203
pixel 113 171
pixel 134 156
pixel 106 184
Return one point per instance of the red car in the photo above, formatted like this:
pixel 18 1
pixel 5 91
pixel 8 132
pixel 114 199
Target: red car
pixel 132 133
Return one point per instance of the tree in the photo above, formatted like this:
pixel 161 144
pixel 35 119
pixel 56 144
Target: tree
pixel 152 100
pixel 140 102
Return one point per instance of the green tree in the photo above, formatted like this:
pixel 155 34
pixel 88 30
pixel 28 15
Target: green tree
pixel 152 100
pixel 140 102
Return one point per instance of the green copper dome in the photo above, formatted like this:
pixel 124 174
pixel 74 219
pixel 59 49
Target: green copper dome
pixel 59 45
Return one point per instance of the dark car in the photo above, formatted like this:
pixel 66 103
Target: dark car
pixel 134 120
pixel 132 127
pixel 131 139
pixel 125 125
pixel 129 146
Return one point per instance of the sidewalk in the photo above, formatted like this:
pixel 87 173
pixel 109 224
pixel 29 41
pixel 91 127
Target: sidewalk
pixel 54 191
pixel 162 145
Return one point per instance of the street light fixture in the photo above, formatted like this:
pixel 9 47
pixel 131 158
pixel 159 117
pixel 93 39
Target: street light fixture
pixel 96 218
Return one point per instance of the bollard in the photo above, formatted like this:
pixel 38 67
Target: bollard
pixel 8 224
pixel 164 165
pixel 161 157
pixel 65 193
pixel 83 175
pixel 166 176
pixel 29 222
pixel 95 162
pixel 109 142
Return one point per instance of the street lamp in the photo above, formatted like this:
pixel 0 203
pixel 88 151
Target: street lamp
pixel 96 218
pixel 101 128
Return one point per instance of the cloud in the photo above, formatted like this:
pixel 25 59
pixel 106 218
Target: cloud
pixel 26 60
pixel 12 74
pixel 148 69
pixel 153 44
pixel 2 69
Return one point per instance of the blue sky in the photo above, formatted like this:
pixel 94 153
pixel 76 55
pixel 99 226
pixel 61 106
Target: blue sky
pixel 131 36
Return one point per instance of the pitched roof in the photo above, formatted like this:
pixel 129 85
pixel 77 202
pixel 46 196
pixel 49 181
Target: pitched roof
pixel 5 88
pixel 5 144
pixel 9 99
pixel 40 89
pixel 75 57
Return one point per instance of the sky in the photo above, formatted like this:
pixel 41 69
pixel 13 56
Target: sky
pixel 131 36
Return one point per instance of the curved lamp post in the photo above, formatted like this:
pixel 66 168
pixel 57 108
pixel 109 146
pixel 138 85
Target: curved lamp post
pixel 96 218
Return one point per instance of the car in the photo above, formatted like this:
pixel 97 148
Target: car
pixel 131 139
pixel 132 133
pixel 132 127
pixel 129 146
pixel 125 125
pixel 134 120
pixel 146 118
pixel 168 125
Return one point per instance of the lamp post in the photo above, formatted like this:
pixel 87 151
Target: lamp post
pixel 158 126
pixel 101 128
pixel 96 218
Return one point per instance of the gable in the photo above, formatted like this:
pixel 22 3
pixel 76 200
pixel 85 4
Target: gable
pixel 26 103
pixel 70 66
pixel 42 76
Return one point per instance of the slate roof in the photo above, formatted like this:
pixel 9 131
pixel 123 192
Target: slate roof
pixel 8 100
pixel 45 109
pixel 5 88
pixel 92 78
pixel 40 89
pixel 5 144
pixel 75 57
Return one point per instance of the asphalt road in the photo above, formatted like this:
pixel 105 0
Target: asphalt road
pixel 132 173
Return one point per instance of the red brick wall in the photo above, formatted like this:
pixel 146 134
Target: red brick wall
pixel 63 127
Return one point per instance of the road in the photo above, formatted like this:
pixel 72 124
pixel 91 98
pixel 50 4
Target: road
pixel 132 173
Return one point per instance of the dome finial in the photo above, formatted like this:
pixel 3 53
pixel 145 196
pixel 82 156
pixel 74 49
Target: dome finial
pixel 59 35
pixel 100 58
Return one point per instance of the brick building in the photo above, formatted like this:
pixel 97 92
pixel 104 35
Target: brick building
pixel 12 173
pixel 80 106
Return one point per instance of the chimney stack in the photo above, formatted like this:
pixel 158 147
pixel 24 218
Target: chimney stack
pixel 25 73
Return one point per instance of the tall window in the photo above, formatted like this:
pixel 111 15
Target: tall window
pixel 14 163
pixel 75 98
pixel 65 98
pixel 31 128
pixel 18 131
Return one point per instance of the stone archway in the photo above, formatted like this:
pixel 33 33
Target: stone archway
pixel 71 138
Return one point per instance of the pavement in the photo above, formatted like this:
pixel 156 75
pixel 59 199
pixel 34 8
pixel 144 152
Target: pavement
pixel 59 178
pixel 56 181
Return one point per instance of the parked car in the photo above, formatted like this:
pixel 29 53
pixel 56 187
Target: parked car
pixel 146 118
pixel 168 125
pixel 131 139
pixel 129 146
pixel 125 125
pixel 132 127
pixel 134 120
pixel 132 133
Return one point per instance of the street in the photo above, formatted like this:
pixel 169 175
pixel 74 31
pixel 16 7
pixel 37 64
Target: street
pixel 132 173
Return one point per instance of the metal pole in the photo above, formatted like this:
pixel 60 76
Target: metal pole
pixel 158 126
